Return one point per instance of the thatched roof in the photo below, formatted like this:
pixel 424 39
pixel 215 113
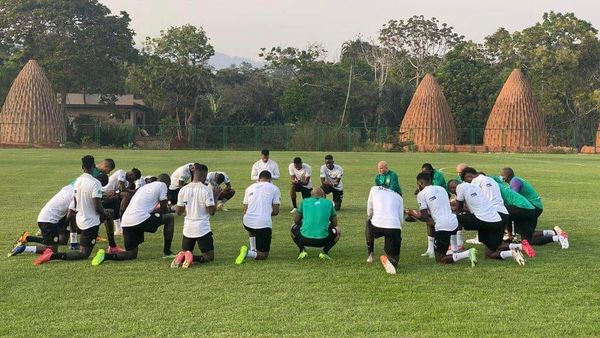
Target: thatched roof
pixel 515 120
pixel 428 120
pixel 30 115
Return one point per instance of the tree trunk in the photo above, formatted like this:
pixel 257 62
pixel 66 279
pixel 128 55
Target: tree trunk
pixel 347 95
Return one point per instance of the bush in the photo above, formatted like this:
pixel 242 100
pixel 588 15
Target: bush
pixel 115 135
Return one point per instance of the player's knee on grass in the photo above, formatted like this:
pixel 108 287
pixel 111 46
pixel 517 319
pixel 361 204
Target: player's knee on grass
pixel 260 255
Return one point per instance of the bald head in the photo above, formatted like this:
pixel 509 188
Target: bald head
pixel 317 192
pixel 382 167
pixel 460 167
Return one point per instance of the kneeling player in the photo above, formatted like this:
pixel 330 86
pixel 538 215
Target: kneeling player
pixel 434 206
pixel 140 217
pixel 483 218
pixel 385 209
pixel 261 201
pixel 87 193
pixel 315 225
pixel 198 202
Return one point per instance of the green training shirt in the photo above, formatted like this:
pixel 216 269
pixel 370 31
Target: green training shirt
pixel 389 180
pixel 439 180
pixel 316 213
pixel 528 191
pixel 510 197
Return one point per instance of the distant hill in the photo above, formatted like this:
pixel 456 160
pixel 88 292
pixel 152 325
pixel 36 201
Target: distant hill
pixel 221 60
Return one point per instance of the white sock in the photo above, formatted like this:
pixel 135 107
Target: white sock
pixel 506 254
pixel 453 243
pixel 30 248
pixel 118 225
pixel 252 241
pixel 460 238
pixel 460 255
pixel 251 254
pixel 555 238
pixel 74 238
pixel 515 246
pixel 548 232
pixel 430 243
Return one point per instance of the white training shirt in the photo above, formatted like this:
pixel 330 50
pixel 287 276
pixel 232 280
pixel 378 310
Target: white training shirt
pixel 260 198
pixel 435 199
pixel 196 198
pixel 182 173
pixel 333 174
pixel 492 191
pixel 477 202
pixel 85 189
pixel 301 174
pixel 114 179
pixel 140 182
pixel 385 207
pixel 259 166
pixel 56 208
pixel 211 178
pixel 143 203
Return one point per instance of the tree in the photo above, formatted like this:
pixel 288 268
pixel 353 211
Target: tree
pixel 422 41
pixel 79 43
pixel 174 76
pixel 351 53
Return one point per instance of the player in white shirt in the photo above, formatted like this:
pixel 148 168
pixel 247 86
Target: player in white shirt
pixel 331 181
pixel 264 164
pixel 435 210
pixel 143 215
pixel 484 218
pixel 197 201
pixel 87 194
pixel 179 178
pixel 216 179
pixel 300 174
pixel 385 210
pixel 490 189
pixel 261 202
pixel 117 193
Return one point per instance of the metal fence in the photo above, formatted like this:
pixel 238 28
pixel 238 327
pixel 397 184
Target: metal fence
pixel 286 137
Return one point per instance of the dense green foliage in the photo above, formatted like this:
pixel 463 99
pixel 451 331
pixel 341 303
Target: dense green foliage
pixel 555 294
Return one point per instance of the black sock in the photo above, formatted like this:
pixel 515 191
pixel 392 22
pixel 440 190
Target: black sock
pixel 110 257
pixel 111 240
pixel 199 259
pixel 58 255
pixel 34 239
pixel 294 204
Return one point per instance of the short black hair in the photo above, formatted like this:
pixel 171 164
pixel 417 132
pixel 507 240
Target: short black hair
pixel 136 173
pixel 467 170
pixel 426 177
pixel 265 174
pixel 427 166
pixel 509 170
pixel 265 152
pixel 329 157
pixel 165 178
pixel 111 163
pixel 220 178
pixel 297 160
pixel 88 162
pixel 103 178
pixel 151 179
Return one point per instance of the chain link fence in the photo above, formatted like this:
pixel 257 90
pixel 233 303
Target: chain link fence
pixel 300 138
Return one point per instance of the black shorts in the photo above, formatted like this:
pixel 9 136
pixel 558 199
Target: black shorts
pixel 88 237
pixel 134 236
pixel 263 238
pixel 205 243
pixel 393 239
pixel 113 204
pixel 52 231
pixel 441 241
pixel 338 195
pixel 489 233
pixel 304 191
pixel 524 220
pixel 172 195
pixel 505 220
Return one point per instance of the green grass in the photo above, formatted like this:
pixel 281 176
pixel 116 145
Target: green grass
pixel 557 293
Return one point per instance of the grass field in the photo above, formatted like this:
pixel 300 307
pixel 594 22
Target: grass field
pixel 556 294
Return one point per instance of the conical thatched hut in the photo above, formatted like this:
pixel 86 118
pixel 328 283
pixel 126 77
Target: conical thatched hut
pixel 515 120
pixel 428 120
pixel 30 115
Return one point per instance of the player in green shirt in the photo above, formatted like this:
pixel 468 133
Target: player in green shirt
pixel 387 178
pixel 315 225
pixel 525 189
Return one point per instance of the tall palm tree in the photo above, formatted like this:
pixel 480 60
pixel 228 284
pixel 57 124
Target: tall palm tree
pixel 351 51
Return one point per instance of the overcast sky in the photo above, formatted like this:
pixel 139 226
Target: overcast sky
pixel 242 27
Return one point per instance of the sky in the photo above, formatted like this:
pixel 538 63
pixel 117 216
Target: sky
pixel 241 27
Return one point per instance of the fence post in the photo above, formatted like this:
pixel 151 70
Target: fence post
pixel 97 133
pixel 318 145
pixel 349 132
pixel 224 137
pixel 286 141
pixel 256 137
pixel 30 138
